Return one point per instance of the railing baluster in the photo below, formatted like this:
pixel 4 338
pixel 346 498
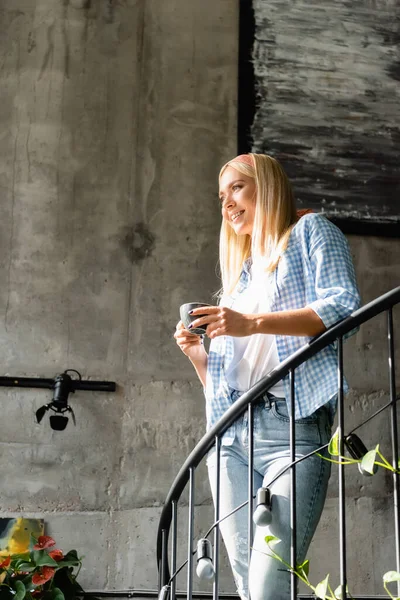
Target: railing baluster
pixel 216 516
pixel 190 535
pixel 395 440
pixel 174 545
pixel 293 516
pixel 250 424
pixel 342 507
pixel 164 556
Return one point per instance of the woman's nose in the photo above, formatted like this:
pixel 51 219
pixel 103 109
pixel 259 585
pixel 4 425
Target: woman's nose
pixel 229 202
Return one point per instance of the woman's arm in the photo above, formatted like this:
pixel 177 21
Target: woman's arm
pixel 192 346
pixel 201 370
pixel 302 322
pixel 225 321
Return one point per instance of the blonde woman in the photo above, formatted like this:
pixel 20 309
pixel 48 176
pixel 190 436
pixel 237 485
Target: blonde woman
pixel 285 279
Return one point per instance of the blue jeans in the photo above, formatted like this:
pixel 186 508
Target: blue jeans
pixel 268 578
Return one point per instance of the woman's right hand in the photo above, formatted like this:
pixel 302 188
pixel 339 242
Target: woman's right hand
pixel 190 343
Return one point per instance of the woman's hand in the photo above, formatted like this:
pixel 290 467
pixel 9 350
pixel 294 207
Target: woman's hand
pixel 190 343
pixel 223 321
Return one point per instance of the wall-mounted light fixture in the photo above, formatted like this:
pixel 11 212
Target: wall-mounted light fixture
pixel 262 515
pixel 63 385
pixel 205 567
pixel 357 450
pixel 164 593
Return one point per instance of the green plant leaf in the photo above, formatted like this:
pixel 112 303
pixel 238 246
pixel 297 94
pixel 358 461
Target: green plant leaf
pixel 72 555
pixel 391 576
pixel 71 559
pixel 271 540
pixel 304 567
pixel 25 556
pixel 26 567
pixel 64 580
pixel 62 563
pixel 333 447
pixel 56 594
pixel 338 592
pixel 20 565
pixel 20 590
pixel 368 460
pixel 42 559
pixel 322 588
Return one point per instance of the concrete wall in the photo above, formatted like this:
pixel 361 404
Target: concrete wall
pixel 114 120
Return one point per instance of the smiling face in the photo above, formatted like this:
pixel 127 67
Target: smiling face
pixel 237 193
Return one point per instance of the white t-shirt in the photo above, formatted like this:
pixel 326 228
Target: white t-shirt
pixel 256 355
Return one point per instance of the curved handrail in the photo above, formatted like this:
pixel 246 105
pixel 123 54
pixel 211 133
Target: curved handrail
pixel 357 318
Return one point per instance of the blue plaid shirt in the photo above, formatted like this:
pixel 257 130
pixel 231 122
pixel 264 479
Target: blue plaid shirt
pixel 315 270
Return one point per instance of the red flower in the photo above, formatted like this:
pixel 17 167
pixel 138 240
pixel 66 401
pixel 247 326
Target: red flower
pixel 43 575
pixel 56 555
pixel 44 541
pixel 5 563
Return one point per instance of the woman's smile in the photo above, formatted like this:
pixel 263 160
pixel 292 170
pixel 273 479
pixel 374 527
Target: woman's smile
pixel 236 215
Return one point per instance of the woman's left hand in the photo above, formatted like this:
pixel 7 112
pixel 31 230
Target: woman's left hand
pixel 222 321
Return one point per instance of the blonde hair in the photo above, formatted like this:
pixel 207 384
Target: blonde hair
pixel 275 216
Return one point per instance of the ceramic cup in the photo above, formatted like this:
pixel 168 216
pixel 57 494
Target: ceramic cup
pixel 188 319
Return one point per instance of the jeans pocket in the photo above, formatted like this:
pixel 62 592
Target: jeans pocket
pixel 280 411
pixel 307 430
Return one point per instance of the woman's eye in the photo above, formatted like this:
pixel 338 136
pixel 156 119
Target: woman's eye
pixel 236 187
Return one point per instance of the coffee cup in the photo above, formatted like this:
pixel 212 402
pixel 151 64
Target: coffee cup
pixel 188 319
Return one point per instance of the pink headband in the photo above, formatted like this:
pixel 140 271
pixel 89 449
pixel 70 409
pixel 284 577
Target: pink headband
pixel 243 158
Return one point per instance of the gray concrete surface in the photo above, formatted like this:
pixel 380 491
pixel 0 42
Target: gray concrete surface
pixel 114 120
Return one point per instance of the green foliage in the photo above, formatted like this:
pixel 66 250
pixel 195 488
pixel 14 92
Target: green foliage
pixel 41 559
pixel 321 589
pixel 368 460
pixel 338 592
pixel 391 577
pixel 333 447
pixel 57 594
pixel 20 590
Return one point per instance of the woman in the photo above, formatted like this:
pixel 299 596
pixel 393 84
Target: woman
pixel 285 279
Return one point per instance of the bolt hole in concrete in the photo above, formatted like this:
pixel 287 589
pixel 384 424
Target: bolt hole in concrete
pixel 139 242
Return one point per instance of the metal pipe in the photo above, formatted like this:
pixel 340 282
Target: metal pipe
pixel 216 516
pixel 293 515
pixel 40 382
pixel 395 439
pixel 190 535
pixel 174 545
pixel 250 484
pixel 164 558
pixel 342 507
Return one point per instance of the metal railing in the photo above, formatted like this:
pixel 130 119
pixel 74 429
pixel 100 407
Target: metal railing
pixel 168 570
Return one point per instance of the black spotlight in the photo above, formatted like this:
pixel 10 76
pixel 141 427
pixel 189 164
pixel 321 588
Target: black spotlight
pixel 358 450
pixel 262 516
pixel 63 386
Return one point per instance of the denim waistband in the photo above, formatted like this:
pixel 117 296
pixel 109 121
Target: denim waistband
pixel 269 399
pixel 266 399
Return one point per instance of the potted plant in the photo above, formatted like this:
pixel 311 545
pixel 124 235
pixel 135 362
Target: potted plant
pixel 43 573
